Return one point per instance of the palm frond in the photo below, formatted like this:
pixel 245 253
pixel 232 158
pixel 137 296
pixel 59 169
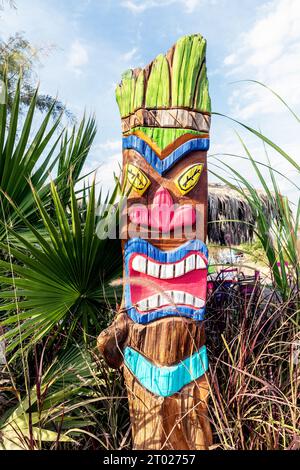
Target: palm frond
pixel 62 281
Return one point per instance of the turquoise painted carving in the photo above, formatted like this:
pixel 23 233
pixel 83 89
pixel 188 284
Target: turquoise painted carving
pixel 165 381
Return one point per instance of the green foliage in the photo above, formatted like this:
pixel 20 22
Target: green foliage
pixel 20 154
pixel 19 56
pixel 26 156
pixel 279 239
pixel 55 286
pixel 63 279
pixel 73 153
pixel 54 405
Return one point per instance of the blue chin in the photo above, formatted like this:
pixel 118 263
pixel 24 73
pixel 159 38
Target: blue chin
pixel 140 246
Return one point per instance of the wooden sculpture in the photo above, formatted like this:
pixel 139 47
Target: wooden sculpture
pixel 158 335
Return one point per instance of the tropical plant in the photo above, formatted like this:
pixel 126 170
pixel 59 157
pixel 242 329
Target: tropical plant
pixel 279 238
pixel 19 56
pixel 255 342
pixel 55 286
pixel 63 280
pixel 73 153
pixel 54 405
pixel 254 370
pixel 25 157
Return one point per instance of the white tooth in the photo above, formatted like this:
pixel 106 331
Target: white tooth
pixel 198 303
pixel 190 263
pixel 166 271
pixel 153 269
pixel 200 263
pixel 159 301
pixel 166 298
pixel 142 305
pixel 177 297
pixel 179 269
pixel 152 301
pixel 156 270
pixel 189 299
pixel 180 297
pixel 139 264
pixel 163 271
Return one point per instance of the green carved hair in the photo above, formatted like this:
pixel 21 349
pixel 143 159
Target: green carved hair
pixel 177 79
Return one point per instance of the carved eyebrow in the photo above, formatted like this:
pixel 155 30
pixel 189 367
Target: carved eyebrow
pixel 189 178
pixel 136 176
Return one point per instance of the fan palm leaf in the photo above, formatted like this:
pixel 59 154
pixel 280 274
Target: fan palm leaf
pixel 25 155
pixel 61 280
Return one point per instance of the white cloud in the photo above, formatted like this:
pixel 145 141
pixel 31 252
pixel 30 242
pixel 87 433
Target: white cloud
pixel 230 59
pixel 139 6
pixel 102 171
pixel 190 5
pixel 128 56
pixel 78 56
pixel 110 145
pixel 269 52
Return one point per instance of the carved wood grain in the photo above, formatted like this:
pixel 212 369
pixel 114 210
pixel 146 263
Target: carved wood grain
pixel 179 422
pixel 197 196
pixel 168 118
pixel 167 341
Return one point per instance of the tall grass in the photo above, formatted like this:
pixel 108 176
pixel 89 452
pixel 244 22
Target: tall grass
pixel 254 372
pixel 278 239
pixel 255 356
pixel 73 401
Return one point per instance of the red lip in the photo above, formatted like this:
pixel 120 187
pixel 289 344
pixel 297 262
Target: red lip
pixel 189 288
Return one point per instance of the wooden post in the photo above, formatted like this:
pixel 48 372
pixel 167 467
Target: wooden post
pixel 158 336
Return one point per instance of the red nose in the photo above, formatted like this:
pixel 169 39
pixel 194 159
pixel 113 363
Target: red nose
pixel 162 198
pixel 161 215
pixel 162 210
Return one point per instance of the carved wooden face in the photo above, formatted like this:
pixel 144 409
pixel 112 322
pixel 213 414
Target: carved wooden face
pixel 167 202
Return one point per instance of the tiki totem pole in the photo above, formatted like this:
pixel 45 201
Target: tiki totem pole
pixel 158 335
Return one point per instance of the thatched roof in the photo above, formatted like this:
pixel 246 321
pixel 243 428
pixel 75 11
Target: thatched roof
pixel 226 204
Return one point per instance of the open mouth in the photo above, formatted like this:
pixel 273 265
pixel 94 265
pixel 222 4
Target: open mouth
pixel 171 284
pixel 166 283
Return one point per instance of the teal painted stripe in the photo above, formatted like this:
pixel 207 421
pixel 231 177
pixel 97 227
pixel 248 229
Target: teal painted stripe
pixel 165 381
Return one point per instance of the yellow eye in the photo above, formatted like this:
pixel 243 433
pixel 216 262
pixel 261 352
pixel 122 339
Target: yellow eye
pixel 189 178
pixel 137 179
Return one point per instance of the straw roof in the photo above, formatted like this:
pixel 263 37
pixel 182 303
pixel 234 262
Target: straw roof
pixel 225 204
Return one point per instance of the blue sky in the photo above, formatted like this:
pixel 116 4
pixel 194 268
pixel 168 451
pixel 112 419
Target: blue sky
pixel 97 40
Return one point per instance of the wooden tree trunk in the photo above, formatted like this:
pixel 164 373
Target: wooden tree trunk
pixel 158 336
